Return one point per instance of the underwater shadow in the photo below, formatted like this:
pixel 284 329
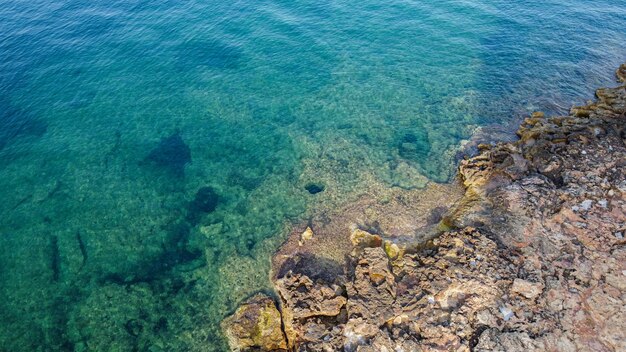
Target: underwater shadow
pixel 170 156
pixel 176 255
pixel 16 123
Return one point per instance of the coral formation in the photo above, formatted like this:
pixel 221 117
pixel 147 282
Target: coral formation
pixel 532 259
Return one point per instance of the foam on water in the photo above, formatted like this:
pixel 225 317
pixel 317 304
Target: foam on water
pixel 153 154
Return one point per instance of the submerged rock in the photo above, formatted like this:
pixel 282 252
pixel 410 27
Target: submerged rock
pixel 256 325
pixel 171 155
pixel 415 146
pixel 314 188
pixel 621 73
pixel 206 200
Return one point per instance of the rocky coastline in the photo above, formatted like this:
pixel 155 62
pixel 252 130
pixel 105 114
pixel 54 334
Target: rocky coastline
pixel 531 257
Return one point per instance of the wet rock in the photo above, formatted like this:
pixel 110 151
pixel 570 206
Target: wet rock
pixel 316 267
pixel 256 325
pixel 365 239
pixel 538 115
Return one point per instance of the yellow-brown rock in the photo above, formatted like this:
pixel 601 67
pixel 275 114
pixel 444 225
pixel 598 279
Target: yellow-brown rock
pixel 255 326
pixel 365 239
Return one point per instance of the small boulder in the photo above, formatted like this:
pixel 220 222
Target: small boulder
pixel 307 235
pixel 362 238
pixel 256 325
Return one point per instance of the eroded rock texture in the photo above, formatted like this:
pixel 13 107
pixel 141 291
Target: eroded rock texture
pixel 255 326
pixel 537 261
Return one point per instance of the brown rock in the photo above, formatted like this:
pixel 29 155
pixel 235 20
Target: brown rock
pixel 538 115
pixel 527 289
pixel 307 235
pixel 256 325
pixel 365 239
pixel 373 289
pixel 304 300
pixel 621 73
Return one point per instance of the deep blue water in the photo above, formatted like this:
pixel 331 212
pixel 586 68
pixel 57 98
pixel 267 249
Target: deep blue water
pixel 153 153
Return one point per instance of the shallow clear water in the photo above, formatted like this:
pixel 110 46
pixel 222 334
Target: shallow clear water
pixel 153 153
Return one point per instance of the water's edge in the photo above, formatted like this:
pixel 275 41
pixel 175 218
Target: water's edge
pixel 535 213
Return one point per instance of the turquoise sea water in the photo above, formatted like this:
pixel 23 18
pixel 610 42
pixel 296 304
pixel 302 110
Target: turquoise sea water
pixel 153 154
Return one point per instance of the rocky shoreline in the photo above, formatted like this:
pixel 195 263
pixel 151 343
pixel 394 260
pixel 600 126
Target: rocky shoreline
pixel 531 257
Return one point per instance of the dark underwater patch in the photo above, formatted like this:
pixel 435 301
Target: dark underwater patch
pixel 204 202
pixel 314 188
pixel 15 123
pixel 133 327
pixel 415 146
pixel 248 182
pixel 55 258
pixel 175 255
pixel 436 215
pixel 83 249
pixel 171 156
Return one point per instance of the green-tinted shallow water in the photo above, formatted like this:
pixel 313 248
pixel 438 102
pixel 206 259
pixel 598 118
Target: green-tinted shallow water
pixel 152 154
